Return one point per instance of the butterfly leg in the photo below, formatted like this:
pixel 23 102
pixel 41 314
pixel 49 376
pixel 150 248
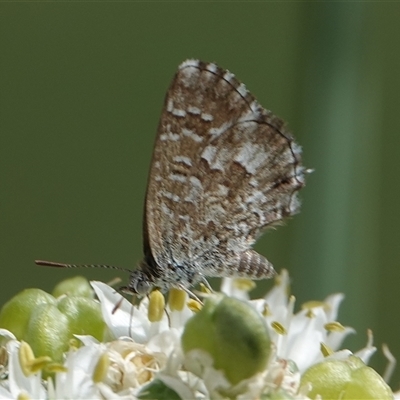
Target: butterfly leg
pixel 189 293
pixel 205 282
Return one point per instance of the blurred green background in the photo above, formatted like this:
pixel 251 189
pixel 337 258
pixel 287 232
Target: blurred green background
pixel 81 90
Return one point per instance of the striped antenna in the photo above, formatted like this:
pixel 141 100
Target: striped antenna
pixel 62 265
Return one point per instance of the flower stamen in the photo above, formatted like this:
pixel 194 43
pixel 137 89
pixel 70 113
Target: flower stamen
pixel 156 306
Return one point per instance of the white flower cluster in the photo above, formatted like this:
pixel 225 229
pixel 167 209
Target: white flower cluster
pixel 140 352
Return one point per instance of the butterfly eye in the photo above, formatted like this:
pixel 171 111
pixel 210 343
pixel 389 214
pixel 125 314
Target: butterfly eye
pixel 141 285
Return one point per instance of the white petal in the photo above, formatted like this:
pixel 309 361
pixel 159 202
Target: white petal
pixel 6 335
pixel 124 320
pixel 340 355
pixel 333 302
pixel 176 385
pixel 165 342
pixel 87 340
pixel 335 339
pixel 5 394
pixel 229 288
pixel 304 347
pixel 277 297
pixel 18 381
pixel 366 353
pixel 77 382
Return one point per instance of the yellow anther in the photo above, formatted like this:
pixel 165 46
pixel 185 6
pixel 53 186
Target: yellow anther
pixel 194 305
pixel 23 396
pixel 55 367
pixel 278 280
pixel 204 288
pixel 282 279
pixel 30 364
pixel 266 311
pixel 278 328
pixel 325 350
pixel 100 371
pixel 334 327
pixel 39 363
pixel 309 305
pixel 74 344
pixel 176 299
pixel 310 313
pixel 26 356
pixel 156 306
pixel 244 284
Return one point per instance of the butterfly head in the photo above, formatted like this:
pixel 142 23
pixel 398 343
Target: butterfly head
pixel 139 284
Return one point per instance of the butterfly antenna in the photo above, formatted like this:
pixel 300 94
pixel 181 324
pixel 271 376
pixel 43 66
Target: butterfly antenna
pixel 62 265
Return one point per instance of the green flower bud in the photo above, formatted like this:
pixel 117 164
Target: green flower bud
pixel 233 333
pixel 76 286
pixel 48 332
pixel 366 383
pixel 48 324
pixel 157 390
pixel 345 379
pixel 84 316
pixel 15 314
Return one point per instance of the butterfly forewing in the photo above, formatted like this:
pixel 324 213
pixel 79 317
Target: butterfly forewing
pixel 223 169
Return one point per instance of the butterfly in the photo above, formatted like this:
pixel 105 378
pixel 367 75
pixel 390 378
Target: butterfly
pixel 223 170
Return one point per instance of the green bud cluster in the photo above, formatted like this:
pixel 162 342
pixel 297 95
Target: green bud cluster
pixel 48 323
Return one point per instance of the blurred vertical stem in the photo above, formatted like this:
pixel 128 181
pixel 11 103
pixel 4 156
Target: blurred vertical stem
pixel 338 239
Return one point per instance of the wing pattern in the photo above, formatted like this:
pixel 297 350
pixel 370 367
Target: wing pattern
pixel 223 169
